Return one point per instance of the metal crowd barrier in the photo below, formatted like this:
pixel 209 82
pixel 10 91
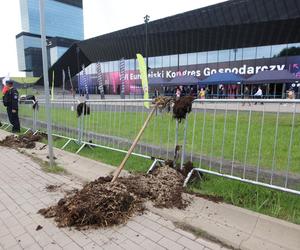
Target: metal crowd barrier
pixel 238 139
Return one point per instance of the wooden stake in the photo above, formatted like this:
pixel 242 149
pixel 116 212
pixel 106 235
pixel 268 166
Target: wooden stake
pixel 118 171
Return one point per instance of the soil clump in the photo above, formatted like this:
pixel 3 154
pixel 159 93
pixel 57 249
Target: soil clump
pixel 182 106
pixel 53 188
pixel 22 141
pixel 101 203
pixel 98 203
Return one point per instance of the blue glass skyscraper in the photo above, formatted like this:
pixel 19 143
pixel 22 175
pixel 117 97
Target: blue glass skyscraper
pixel 64 26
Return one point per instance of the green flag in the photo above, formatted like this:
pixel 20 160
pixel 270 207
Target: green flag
pixel 144 77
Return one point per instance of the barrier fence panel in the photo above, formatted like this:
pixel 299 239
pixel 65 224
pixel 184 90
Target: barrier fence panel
pixel 255 142
pixel 240 139
pixel 26 111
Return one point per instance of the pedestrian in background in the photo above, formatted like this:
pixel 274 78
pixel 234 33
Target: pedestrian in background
pixel 156 93
pixel 10 101
pixel 202 94
pixel 246 95
pixel 258 95
pixel 178 93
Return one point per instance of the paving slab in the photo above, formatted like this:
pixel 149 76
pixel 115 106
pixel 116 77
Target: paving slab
pixel 233 226
pixel 20 174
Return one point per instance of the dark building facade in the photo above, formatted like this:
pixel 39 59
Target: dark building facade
pixel 239 36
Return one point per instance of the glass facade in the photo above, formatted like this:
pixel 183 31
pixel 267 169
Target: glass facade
pixel 56 52
pixel 23 43
pixel 61 20
pixel 220 56
pixel 243 61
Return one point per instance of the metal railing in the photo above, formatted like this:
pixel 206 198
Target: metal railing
pixel 234 138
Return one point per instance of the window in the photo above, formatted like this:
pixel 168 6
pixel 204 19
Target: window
pixel 202 57
pixel 173 60
pixel 166 61
pixel 102 67
pixel 151 62
pixel 111 66
pixel 183 59
pixel 192 58
pixel 131 64
pixel 212 56
pixel 117 65
pixel 224 55
pixel 127 65
pixel 106 67
pixel 158 61
pixel 293 49
pixel 278 50
pixel 236 54
pixel 290 45
pixel 91 69
pixel 249 53
pixel 263 52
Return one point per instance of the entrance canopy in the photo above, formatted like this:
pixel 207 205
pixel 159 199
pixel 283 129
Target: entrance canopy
pixel 184 80
pixel 267 76
pixel 223 78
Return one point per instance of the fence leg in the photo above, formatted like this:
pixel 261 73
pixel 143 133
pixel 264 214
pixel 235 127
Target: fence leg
pixel 184 142
pixel 188 177
pixel 7 126
pixel 3 125
pixel 176 144
pixel 80 128
pixel 34 119
pixel 26 131
pixel 66 144
pixel 36 132
pixel 152 166
pixel 82 146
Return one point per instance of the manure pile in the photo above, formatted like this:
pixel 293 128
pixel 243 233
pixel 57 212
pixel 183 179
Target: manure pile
pixel 101 203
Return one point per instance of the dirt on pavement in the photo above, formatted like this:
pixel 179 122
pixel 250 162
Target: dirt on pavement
pixel 101 203
pixel 22 141
pixel 53 188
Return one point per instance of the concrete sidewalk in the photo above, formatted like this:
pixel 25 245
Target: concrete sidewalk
pixel 233 226
pixel 23 192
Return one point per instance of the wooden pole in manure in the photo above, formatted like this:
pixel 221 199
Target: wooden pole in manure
pixel 118 171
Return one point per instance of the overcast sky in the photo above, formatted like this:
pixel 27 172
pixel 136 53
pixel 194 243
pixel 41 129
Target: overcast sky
pixel 100 17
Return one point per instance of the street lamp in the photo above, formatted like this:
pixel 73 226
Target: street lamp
pixel 146 20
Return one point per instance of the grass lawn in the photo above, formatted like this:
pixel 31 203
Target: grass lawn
pixel 28 91
pixel 135 164
pixel 259 199
pixel 200 139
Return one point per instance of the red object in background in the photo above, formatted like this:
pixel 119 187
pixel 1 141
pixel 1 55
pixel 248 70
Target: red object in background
pixel 4 89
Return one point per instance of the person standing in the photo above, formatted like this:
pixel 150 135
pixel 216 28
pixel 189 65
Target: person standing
pixel 4 90
pixel 246 95
pixel 221 92
pixel 202 94
pixel 10 101
pixel 178 93
pixel 156 93
pixel 258 95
